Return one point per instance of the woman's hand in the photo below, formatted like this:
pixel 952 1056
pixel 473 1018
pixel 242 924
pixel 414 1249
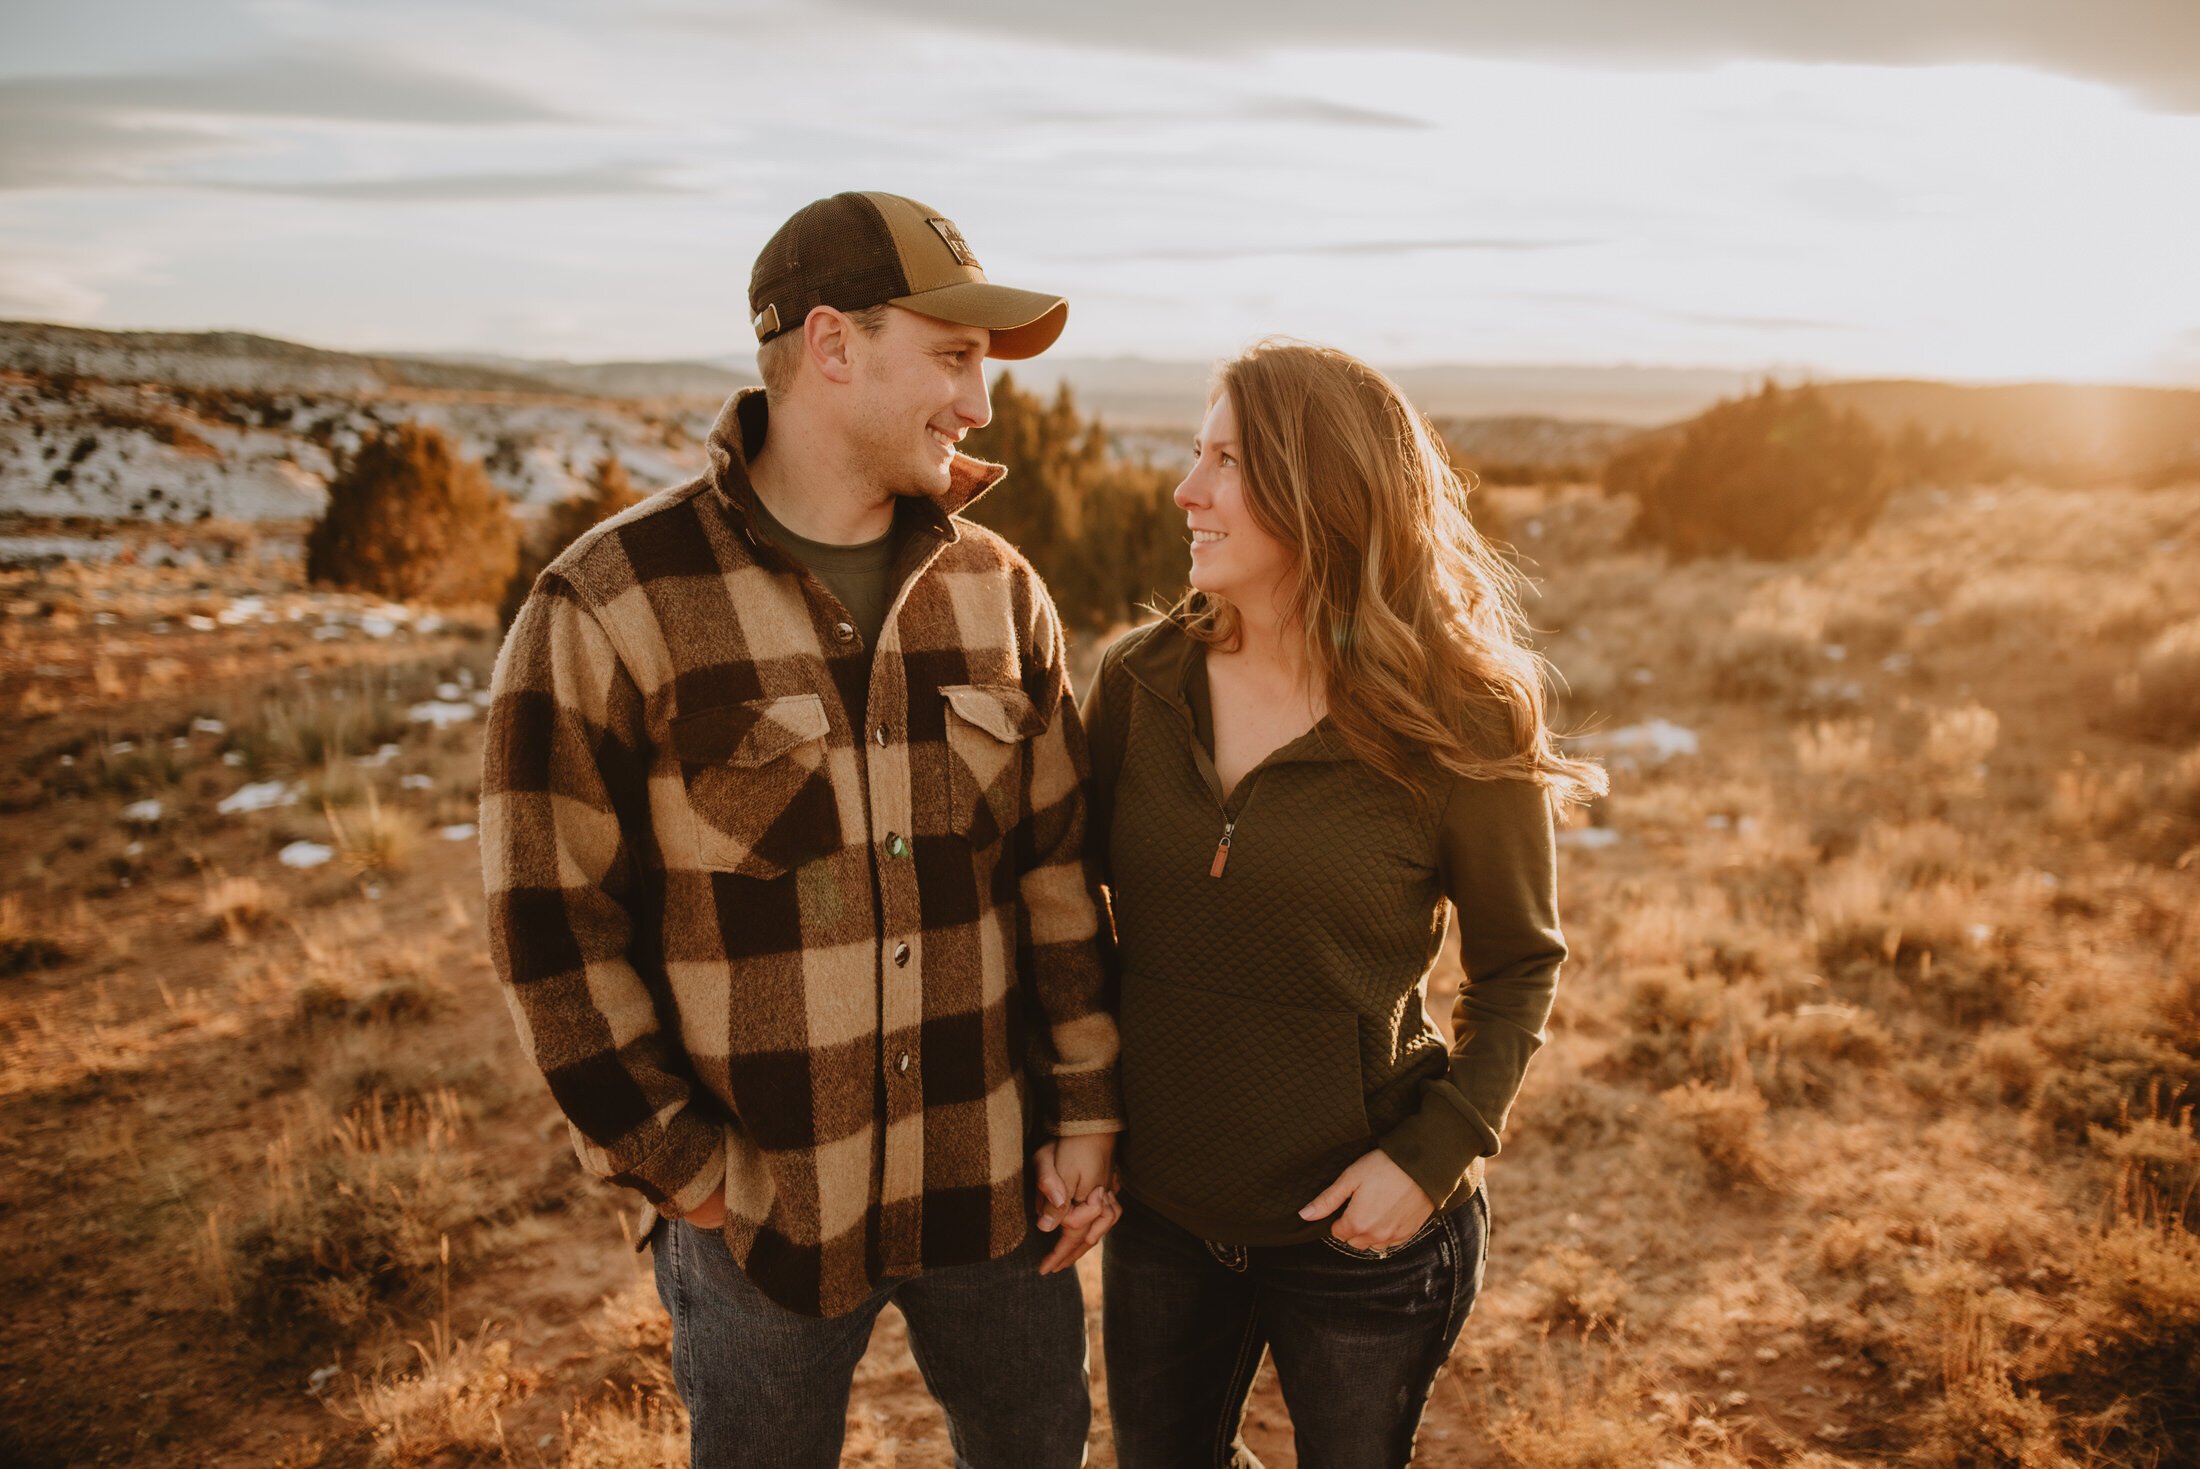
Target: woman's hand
pixel 1382 1204
pixel 1075 1178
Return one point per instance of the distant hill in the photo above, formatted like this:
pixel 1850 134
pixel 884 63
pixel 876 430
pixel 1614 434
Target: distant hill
pixel 1507 422
pixel 1525 448
pixel 1140 391
pixel 713 380
pixel 241 361
pixel 238 361
pixel 180 426
pixel 2056 432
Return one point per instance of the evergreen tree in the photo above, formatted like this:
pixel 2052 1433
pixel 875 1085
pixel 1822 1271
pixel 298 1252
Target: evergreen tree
pixel 412 519
pixel 1778 474
pixel 1103 533
pixel 609 491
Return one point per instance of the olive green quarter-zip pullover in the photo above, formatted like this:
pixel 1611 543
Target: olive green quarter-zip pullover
pixel 1274 947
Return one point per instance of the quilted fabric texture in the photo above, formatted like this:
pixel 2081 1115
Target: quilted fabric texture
pixel 1273 1028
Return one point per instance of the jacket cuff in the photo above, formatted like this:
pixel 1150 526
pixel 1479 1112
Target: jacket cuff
pixel 1084 1101
pixel 1439 1143
pixel 685 1168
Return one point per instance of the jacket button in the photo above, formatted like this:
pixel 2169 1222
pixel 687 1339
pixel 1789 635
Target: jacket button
pixel 880 735
pixel 847 631
pixel 902 1063
pixel 901 955
pixel 895 845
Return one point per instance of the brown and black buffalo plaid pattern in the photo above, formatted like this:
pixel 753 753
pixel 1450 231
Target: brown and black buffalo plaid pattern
pixel 759 936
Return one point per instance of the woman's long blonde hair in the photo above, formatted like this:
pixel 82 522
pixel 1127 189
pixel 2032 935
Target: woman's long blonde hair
pixel 1412 621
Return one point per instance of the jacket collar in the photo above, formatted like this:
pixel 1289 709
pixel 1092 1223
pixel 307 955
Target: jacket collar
pixel 738 434
pixel 1166 660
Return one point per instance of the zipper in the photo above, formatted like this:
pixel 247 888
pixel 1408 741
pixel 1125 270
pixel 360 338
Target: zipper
pixel 1251 783
pixel 1203 760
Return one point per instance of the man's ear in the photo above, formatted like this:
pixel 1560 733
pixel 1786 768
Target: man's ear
pixel 827 338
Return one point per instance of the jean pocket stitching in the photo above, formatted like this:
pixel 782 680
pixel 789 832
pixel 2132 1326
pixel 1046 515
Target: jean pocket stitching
pixel 1353 1252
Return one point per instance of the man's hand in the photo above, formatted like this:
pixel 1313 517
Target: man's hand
pixel 1075 1180
pixel 1078 1165
pixel 710 1214
pixel 1382 1204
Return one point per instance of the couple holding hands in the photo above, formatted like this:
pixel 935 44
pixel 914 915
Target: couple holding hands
pixel 884 971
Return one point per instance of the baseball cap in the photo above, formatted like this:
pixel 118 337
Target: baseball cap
pixel 858 250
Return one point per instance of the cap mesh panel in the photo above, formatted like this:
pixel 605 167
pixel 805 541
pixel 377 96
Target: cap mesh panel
pixel 836 252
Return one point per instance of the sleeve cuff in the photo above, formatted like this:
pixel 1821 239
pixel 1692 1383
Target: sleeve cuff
pixel 1084 1101
pixel 685 1168
pixel 1439 1143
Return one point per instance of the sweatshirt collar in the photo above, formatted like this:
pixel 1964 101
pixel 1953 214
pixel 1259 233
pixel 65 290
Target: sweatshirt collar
pixel 1166 660
pixel 738 433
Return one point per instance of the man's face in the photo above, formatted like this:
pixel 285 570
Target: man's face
pixel 919 387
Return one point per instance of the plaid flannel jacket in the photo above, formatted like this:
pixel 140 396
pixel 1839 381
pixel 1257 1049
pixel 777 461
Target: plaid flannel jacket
pixel 745 951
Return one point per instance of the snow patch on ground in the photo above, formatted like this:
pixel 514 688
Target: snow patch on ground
pixel 260 795
pixel 1652 742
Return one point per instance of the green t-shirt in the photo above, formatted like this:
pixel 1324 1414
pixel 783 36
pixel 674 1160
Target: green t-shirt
pixel 861 575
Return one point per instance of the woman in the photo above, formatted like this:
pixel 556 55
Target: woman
pixel 1336 731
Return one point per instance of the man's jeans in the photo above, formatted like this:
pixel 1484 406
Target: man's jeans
pixel 1001 1346
pixel 1357 1338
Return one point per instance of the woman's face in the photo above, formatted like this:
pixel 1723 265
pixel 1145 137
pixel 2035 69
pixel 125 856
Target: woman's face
pixel 1232 557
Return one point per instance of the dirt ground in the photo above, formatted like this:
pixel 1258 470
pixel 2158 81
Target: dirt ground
pixel 1864 1134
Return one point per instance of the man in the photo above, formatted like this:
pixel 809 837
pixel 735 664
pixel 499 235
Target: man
pixel 782 827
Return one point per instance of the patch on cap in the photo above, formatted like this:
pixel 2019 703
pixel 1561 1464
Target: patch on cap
pixel 946 230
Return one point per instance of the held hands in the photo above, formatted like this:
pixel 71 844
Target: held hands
pixel 1382 1204
pixel 1071 1175
pixel 1075 1179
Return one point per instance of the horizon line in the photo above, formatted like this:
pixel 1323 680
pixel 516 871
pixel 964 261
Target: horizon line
pixel 1788 374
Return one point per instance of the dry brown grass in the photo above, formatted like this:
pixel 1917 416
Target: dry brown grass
pixel 1727 1124
pixel 376 840
pixel 1599 1411
pixel 357 1212
pixel 240 906
pixel 2160 697
pixel 1834 747
pixel 1578 1289
pixel 639 1430
pixel 25 941
pixel 450 1407
pixel 1864 1134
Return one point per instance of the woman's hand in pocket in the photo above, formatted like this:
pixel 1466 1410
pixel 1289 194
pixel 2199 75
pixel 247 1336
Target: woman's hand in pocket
pixel 1382 1204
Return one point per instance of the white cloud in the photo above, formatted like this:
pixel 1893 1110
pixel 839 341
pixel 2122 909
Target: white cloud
pixel 568 184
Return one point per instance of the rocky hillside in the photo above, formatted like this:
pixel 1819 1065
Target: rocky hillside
pixel 174 427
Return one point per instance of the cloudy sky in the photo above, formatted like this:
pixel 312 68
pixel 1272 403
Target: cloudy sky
pixel 1971 188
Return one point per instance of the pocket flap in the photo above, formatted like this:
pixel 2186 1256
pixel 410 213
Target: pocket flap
pixel 1003 711
pixel 754 733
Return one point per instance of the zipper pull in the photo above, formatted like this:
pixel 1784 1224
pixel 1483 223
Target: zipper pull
pixel 1222 850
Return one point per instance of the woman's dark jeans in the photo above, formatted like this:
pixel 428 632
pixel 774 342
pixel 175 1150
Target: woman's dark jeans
pixel 1357 1338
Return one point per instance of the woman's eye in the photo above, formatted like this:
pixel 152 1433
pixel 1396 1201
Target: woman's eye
pixel 1229 461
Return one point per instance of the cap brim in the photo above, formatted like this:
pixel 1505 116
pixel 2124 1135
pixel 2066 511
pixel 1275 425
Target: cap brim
pixel 1023 323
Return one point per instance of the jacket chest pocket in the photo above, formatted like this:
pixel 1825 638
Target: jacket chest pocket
pixel 758 784
pixel 988 729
